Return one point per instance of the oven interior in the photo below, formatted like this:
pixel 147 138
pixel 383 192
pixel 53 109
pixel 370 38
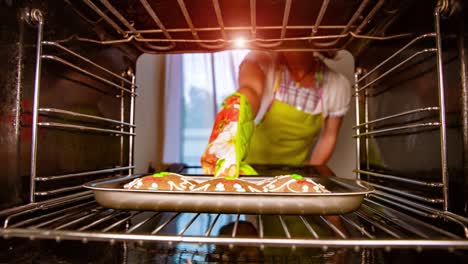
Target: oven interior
pixel 68 100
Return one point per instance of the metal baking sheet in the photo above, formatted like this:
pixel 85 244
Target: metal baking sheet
pixel 345 196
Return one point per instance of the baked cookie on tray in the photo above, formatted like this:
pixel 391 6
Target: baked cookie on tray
pixel 294 183
pixel 163 181
pixel 227 184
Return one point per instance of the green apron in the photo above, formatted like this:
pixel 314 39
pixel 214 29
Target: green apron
pixel 285 135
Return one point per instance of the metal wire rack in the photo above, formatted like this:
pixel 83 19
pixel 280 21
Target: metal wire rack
pixel 159 36
pixel 123 83
pixel 420 203
pixel 374 225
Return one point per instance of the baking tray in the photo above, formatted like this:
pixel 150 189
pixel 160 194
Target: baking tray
pixel 345 196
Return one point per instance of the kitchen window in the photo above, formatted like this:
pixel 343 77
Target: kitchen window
pixel 197 84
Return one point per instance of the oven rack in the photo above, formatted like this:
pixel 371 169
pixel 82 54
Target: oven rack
pixel 369 128
pixel 158 37
pixel 374 225
pixel 124 87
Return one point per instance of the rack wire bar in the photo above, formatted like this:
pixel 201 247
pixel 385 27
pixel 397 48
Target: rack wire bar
pixel 287 10
pixel 194 32
pixel 322 37
pixel 57 191
pixel 236 225
pixel 369 16
pixel 71 65
pixel 400 202
pixel 381 76
pixel 58 45
pixel 285 227
pixel 357 226
pixel 121 221
pixel 45 216
pixel 378 225
pixel 159 228
pixel 101 220
pixel 441 93
pixel 212 225
pixel 70 113
pixel 33 207
pixel 353 19
pixel 219 17
pixel 105 17
pixel 399 178
pixel 253 18
pixel 421 209
pixel 158 22
pixel 131 141
pixel 84 128
pixel 358 118
pixel 35 112
pixel 241 28
pixel 396 221
pixel 405 225
pixel 419 110
pixel 433 213
pixel 260 226
pixel 428 35
pixel 251 40
pixel 60 218
pixel 385 130
pixel 395 243
pixel 417 197
pixel 318 21
pixel 333 227
pixel 144 221
pixel 86 173
pixel 87 215
pixel 117 14
pixel 309 227
pixel 187 226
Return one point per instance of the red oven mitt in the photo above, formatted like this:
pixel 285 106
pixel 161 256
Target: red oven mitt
pixel 230 139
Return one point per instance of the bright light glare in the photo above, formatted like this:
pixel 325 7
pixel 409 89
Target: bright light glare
pixel 240 42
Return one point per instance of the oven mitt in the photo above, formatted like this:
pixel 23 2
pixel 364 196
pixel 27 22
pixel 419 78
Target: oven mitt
pixel 230 139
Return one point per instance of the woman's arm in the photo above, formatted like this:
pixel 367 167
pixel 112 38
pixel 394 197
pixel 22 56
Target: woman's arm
pixel 327 141
pixel 251 84
pixel 228 144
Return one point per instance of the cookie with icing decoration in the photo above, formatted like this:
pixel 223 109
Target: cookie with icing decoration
pixel 227 184
pixel 163 181
pixel 294 183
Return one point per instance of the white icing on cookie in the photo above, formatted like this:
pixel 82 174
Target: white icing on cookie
pixel 276 186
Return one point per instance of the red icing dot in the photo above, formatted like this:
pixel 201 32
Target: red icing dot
pixel 152 179
pixel 229 181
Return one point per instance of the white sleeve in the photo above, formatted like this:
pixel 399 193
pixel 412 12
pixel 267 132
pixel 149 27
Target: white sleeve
pixel 267 63
pixel 336 95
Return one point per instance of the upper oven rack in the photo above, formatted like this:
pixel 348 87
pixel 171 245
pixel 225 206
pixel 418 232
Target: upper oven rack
pixel 159 37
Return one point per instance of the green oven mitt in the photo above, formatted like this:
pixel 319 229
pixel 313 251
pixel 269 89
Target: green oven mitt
pixel 230 139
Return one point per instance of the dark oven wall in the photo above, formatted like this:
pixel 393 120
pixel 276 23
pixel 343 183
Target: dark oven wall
pixel 59 151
